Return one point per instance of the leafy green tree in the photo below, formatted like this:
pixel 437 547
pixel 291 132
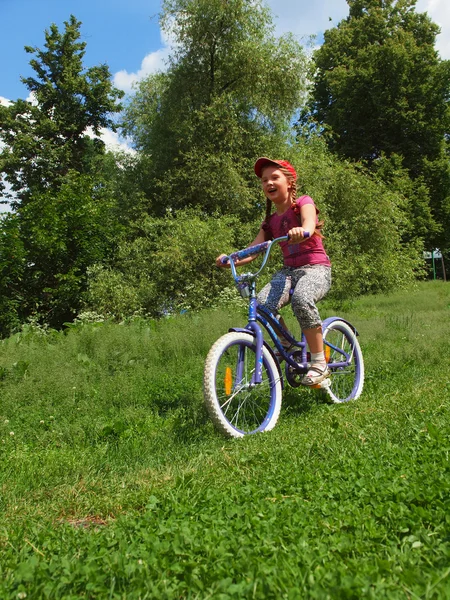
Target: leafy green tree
pixel 380 89
pixel 229 93
pixel 12 267
pixel 379 84
pixel 48 136
pixel 64 216
pixel 420 223
pixel 367 234
pixel 66 232
pixel 167 266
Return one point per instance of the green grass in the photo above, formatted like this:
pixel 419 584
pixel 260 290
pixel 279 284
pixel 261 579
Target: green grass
pixel 115 485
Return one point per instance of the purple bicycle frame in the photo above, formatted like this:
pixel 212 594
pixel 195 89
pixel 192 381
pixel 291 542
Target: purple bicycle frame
pixel 268 320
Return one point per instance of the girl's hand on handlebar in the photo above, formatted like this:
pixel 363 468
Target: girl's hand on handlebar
pixel 297 235
pixel 219 262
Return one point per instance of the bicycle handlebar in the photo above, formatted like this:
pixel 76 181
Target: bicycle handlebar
pixel 252 250
pixel 240 254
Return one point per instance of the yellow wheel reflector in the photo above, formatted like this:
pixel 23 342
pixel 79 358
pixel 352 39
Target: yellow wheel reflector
pixel 228 381
pixel 327 353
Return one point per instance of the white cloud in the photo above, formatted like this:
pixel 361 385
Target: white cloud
pixel 152 63
pixel 112 140
pixel 31 98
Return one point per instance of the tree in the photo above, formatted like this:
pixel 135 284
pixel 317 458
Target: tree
pixel 66 233
pixel 380 90
pixel 46 137
pixel 12 266
pixel 366 234
pixel 229 93
pixel 168 267
pixel 63 211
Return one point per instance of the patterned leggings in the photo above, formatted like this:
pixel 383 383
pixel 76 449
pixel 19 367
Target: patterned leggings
pixel 309 283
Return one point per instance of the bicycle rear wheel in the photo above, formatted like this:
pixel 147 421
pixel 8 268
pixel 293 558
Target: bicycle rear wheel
pixel 236 405
pixel 346 380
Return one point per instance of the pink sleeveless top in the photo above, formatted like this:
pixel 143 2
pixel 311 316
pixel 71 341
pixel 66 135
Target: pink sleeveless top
pixel 309 252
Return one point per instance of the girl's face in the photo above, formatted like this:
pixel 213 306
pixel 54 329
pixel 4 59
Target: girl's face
pixel 276 185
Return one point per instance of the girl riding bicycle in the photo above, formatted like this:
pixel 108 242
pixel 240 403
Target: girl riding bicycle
pixel 306 276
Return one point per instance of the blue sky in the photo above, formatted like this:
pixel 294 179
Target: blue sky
pixel 125 33
pixel 117 32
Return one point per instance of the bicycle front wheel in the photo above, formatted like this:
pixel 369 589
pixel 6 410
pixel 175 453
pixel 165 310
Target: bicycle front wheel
pixel 342 350
pixel 237 405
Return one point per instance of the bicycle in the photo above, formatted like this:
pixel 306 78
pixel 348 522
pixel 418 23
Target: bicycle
pixel 243 379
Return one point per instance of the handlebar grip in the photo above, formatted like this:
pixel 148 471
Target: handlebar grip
pixel 224 260
pixel 306 234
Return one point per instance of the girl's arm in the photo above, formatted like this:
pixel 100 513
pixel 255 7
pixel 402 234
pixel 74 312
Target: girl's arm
pixel 259 239
pixel 308 219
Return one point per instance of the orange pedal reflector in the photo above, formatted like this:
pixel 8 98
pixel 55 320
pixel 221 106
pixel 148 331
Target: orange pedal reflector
pixel 228 381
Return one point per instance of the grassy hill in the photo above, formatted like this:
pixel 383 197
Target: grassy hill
pixel 113 483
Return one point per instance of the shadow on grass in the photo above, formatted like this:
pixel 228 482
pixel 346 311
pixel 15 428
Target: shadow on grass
pixel 301 400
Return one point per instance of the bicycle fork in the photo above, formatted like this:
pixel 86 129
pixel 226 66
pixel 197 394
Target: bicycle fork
pixel 259 340
pixel 257 375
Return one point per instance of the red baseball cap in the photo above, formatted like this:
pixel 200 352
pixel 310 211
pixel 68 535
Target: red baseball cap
pixel 264 161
